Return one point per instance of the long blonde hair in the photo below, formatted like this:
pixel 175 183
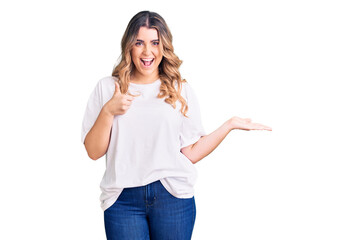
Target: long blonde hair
pixel 168 68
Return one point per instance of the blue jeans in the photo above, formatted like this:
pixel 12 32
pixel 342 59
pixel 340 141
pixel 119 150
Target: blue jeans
pixel 150 212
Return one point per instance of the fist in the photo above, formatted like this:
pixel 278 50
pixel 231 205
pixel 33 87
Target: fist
pixel 119 103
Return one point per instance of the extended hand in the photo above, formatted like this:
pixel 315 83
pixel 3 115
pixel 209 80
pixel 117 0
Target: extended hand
pixel 246 124
pixel 119 103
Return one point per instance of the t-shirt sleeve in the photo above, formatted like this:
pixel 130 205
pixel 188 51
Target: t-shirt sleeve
pixel 192 129
pixel 94 106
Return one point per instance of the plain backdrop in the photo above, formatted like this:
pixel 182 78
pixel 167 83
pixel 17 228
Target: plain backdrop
pixel 291 65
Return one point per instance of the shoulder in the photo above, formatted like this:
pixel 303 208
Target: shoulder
pixel 187 89
pixel 185 86
pixel 106 84
pixel 106 81
pixel 105 87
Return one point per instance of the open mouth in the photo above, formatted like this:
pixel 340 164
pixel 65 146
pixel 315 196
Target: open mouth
pixel 147 62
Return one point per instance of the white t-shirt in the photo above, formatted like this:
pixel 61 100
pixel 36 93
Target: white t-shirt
pixel 146 141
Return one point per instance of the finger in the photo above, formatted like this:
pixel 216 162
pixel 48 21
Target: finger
pixel 256 126
pixel 266 127
pixel 262 127
pixel 117 87
pixel 127 103
pixel 129 97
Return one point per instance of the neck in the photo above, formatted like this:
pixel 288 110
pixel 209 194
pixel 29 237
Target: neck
pixel 137 78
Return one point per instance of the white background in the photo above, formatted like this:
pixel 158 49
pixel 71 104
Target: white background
pixel 291 65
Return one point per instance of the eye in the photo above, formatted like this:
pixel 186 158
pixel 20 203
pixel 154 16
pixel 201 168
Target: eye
pixel 156 43
pixel 138 43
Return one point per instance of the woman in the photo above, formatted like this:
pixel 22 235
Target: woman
pixel 146 119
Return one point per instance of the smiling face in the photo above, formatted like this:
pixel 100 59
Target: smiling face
pixel 146 55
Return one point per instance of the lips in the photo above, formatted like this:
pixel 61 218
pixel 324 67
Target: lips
pixel 147 61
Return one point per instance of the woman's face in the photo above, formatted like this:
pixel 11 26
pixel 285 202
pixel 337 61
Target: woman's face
pixel 146 54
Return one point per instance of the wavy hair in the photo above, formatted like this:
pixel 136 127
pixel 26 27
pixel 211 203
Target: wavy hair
pixel 168 68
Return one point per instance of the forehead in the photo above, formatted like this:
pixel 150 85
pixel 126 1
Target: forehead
pixel 147 34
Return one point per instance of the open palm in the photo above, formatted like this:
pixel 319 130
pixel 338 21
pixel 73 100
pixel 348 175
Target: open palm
pixel 247 124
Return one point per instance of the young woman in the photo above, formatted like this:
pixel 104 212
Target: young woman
pixel 147 121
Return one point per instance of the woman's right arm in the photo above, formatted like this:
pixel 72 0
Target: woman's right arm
pixel 98 138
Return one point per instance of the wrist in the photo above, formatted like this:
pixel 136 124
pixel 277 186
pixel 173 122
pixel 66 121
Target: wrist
pixel 229 125
pixel 107 111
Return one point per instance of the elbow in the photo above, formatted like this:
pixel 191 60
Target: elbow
pixel 94 155
pixel 194 160
pixel 187 151
pixel 191 158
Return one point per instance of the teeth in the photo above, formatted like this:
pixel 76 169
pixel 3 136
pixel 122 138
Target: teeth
pixel 147 60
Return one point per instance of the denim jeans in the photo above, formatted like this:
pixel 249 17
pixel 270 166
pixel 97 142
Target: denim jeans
pixel 150 212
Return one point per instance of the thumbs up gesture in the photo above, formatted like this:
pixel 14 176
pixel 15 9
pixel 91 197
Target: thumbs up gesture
pixel 119 103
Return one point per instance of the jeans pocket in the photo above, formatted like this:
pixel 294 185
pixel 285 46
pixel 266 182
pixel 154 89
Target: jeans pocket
pixel 169 194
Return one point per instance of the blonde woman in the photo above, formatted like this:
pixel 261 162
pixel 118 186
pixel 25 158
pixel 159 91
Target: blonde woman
pixel 146 119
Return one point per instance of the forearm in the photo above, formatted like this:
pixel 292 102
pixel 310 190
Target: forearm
pixel 206 144
pixel 98 138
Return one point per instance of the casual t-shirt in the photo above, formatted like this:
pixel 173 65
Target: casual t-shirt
pixel 146 141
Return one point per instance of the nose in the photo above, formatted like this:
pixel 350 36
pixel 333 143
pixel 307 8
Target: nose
pixel 147 50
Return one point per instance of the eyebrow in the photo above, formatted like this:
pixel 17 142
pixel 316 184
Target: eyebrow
pixel 139 40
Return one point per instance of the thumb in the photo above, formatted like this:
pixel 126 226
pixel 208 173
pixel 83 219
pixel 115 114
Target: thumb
pixel 117 88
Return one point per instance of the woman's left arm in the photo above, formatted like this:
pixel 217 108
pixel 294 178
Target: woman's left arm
pixel 206 144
